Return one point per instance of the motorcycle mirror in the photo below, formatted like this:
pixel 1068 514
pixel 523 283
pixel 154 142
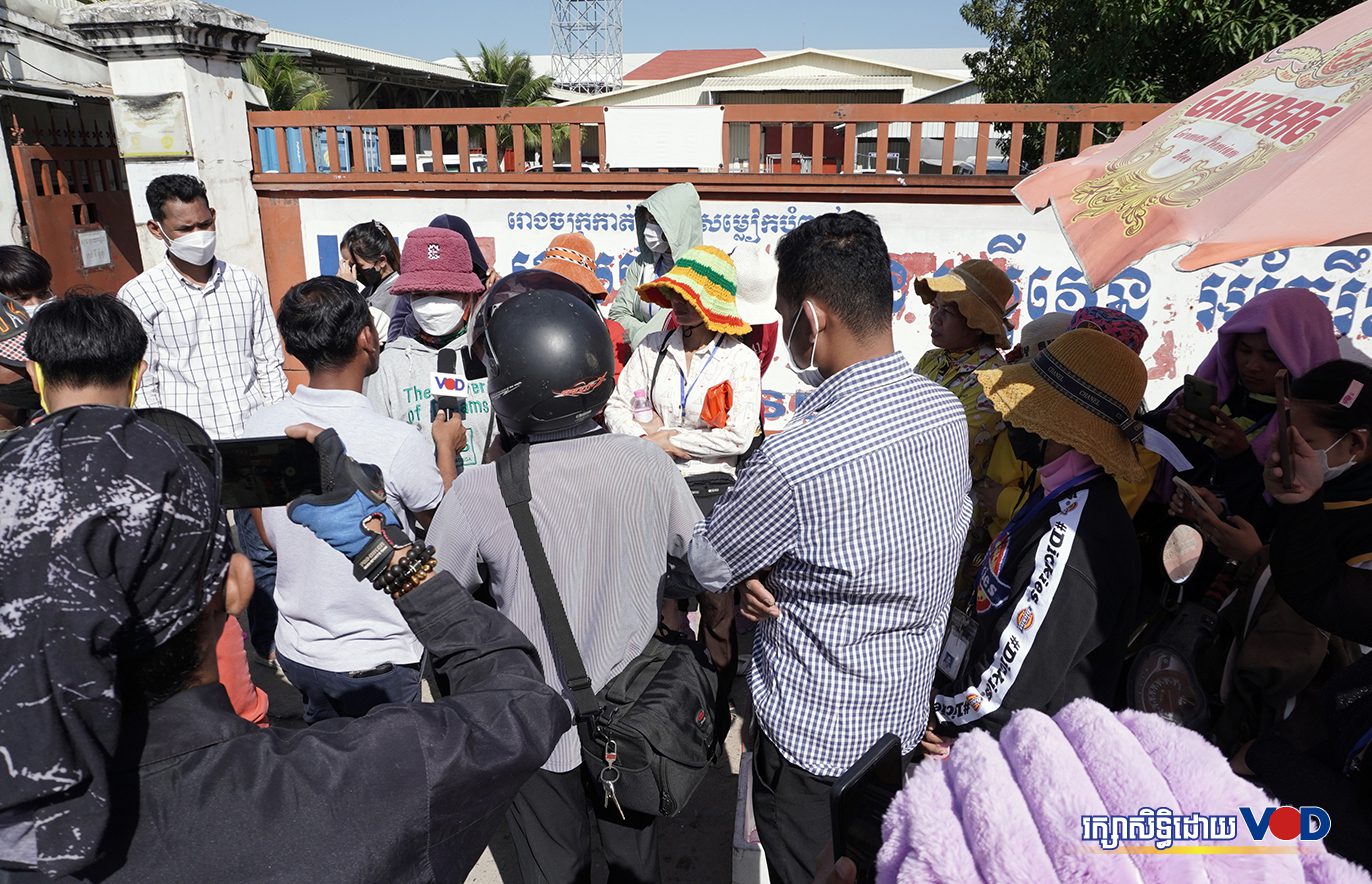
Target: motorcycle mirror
pixel 1181 552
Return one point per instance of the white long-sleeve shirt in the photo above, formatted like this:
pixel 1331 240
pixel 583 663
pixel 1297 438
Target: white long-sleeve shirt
pixel 214 354
pixel 679 396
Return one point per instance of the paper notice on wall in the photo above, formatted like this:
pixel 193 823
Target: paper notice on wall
pixel 95 248
pixel 664 138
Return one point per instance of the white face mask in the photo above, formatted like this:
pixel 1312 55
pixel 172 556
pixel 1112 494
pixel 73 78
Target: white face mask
pixel 1334 472
pixel 195 248
pixel 809 375
pixel 655 239
pixel 437 315
pixel 32 310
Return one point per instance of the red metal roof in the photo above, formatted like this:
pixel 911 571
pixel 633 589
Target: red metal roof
pixel 679 62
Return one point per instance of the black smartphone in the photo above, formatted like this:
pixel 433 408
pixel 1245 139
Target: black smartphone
pixel 1288 467
pixel 1198 396
pixel 859 800
pixel 266 472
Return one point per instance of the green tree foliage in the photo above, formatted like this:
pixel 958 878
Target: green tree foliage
pixel 514 71
pixel 287 86
pixel 1126 50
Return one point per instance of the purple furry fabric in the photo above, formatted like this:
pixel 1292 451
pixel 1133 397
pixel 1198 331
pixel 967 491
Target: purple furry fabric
pixel 1011 810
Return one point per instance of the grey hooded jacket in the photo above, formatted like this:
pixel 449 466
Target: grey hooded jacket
pixel 677 211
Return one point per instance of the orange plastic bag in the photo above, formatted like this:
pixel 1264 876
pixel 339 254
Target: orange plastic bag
pixel 718 400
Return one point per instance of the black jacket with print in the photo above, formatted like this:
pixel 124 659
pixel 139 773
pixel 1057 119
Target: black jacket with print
pixel 1077 632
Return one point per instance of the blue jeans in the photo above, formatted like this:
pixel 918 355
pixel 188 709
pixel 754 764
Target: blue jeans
pixel 340 695
pixel 262 606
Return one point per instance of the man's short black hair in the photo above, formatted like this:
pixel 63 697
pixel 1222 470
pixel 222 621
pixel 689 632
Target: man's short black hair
pixel 842 260
pixel 23 272
pixel 86 340
pixel 181 188
pixel 320 320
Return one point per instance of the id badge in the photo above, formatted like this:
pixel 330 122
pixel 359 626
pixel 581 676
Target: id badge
pixel 962 630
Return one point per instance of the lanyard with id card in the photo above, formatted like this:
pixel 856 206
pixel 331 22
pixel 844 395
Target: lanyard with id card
pixel 992 589
pixel 962 631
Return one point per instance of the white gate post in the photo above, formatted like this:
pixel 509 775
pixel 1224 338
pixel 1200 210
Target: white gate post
pixel 179 108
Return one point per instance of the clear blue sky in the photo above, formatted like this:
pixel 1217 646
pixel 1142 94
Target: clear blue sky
pixel 435 28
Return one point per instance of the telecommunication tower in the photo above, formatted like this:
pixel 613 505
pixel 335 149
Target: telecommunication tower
pixel 588 45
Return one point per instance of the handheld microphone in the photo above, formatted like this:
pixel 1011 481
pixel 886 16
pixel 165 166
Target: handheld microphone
pixel 448 386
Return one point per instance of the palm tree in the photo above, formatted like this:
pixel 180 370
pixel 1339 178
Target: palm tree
pixel 287 86
pixel 514 71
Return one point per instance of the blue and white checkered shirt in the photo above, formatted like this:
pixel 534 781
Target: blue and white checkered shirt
pixel 859 509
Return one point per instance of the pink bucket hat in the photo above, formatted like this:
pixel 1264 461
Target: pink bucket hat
pixel 438 261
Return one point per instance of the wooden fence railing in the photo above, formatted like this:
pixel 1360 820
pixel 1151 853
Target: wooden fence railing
pixel 975 149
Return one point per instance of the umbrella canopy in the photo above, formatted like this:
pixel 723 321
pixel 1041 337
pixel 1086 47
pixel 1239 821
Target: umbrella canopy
pixel 1270 157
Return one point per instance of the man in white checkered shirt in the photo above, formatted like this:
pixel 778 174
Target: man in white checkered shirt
pixel 213 351
pixel 854 516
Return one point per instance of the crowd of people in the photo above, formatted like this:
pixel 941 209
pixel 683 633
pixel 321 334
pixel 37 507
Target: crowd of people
pixel 929 546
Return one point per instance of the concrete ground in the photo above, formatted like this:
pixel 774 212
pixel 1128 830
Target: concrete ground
pixel 696 846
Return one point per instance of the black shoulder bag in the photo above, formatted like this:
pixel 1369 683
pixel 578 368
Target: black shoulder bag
pixel 648 737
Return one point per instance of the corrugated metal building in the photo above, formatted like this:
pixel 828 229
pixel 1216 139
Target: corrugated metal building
pixel 815 76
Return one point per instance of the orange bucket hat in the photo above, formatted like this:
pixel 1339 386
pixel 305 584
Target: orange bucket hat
pixel 572 255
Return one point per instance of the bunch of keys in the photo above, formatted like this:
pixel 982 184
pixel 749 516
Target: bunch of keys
pixel 609 776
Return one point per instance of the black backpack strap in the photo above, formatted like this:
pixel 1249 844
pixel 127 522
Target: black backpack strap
pixel 657 367
pixel 512 471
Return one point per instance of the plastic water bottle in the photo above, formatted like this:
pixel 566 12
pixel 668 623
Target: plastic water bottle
pixel 643 408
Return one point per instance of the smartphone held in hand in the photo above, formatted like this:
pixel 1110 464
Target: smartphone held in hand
pixel 859 801
pixel 1191 494
pixel 1199 396
pixel 1288 471
pixel 266 472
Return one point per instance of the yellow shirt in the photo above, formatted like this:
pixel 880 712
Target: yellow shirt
pixel 1012 475
pixel 957 373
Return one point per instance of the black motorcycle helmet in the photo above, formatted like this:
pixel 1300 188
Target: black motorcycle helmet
pixel 549 361
pixel 521 282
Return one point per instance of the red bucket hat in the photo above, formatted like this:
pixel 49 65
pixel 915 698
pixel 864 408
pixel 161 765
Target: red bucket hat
pixel 436 261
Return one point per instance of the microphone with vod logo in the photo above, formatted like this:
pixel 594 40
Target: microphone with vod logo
pixel 447 385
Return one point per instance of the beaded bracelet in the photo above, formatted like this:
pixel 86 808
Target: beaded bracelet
pixel 425 569
pixel 409 572
pixel 401 571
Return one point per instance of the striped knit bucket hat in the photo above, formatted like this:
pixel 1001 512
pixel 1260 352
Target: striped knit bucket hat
pixel 705 277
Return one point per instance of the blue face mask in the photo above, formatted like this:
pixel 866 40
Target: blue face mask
pixel 1334 472
pixel 809 375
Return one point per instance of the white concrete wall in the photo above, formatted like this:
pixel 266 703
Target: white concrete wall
pixel 11 232
pixel 219 140
pixel 46 48
pixel 46 51
pixel 1180 310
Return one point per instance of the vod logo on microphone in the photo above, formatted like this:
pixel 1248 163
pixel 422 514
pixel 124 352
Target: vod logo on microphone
pixel 448 384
